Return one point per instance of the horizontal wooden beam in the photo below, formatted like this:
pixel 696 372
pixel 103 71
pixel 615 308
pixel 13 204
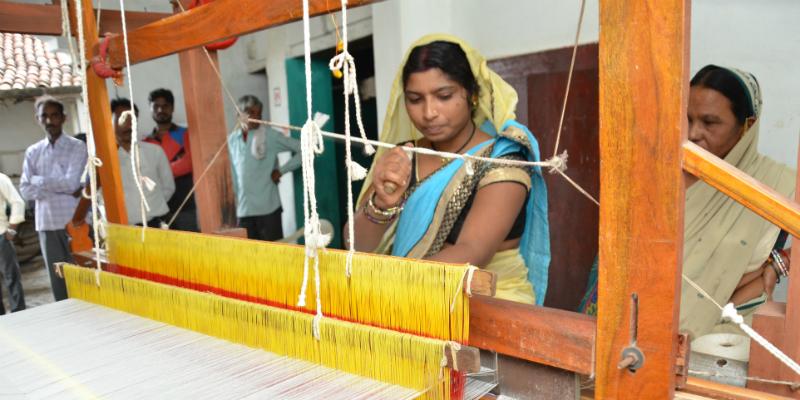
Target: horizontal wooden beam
pixel 557 338
pixel 214 21
pixel 714 390
pixel 756 196
pixel 45 19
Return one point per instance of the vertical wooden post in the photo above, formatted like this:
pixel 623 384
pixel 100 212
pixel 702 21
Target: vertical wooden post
pixel 202 92
pixel 100 113
pixel 643 59
pixel 779 323
pixel 792 327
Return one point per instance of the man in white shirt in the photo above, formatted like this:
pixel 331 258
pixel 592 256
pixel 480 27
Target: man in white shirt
pixel 157 182
pixel 8 257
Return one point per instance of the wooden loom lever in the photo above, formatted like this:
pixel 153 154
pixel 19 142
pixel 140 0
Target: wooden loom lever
pixel 467 359
pixel 483 283
pixel 632 356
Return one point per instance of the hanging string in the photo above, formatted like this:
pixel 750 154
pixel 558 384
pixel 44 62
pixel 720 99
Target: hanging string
pixel 136 161
pixel 66 31
pixel 92 162
pixel 569 77
pixel 311 143
pixel 344 61
pixel 99 11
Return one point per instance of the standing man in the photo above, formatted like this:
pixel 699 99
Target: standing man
pixel 174 140
pixel 154 168
pixel 51 175
pixel 12 279
pixel 254 163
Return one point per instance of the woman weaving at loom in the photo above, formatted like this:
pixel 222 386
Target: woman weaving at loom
pixel 729 251
pixel 445 98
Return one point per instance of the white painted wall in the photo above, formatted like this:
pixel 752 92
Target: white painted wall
pixel 19 129
pixel 763 38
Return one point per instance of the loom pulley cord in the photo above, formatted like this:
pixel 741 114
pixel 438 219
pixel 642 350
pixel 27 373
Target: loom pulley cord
pixel 100 64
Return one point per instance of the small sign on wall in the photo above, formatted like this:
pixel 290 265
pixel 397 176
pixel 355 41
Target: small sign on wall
pixel 276 97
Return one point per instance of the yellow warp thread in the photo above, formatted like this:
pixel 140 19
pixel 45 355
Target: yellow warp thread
pixel 395 293
pixel 379 354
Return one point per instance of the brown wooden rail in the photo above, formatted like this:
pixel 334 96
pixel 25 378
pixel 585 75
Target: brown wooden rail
pixel 45 19
pixel 743 188
pixel 206 24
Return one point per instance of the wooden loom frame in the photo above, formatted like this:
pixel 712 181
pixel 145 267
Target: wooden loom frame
pixel 643 60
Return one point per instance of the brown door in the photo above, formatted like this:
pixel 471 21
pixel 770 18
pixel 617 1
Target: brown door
pixel 540 80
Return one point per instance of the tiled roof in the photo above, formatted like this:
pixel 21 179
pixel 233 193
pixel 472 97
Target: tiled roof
pixel 27 64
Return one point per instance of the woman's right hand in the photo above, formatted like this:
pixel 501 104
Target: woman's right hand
pixel 391 178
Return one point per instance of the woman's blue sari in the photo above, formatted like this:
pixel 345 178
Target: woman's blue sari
pixel 420 207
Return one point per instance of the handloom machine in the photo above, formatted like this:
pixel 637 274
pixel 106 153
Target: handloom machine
pixel 221 287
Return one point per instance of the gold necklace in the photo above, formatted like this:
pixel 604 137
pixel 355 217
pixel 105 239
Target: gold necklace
pixel 446 160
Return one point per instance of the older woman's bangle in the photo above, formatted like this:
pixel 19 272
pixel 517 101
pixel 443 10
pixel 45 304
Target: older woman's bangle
pixel 779 264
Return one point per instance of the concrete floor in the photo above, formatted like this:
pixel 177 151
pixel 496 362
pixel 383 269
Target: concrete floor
pixel 35 284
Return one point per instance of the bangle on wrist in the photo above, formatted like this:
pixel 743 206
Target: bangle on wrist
pixel 778 264
pixel 11 231
pixel 376 220
pixel 389 212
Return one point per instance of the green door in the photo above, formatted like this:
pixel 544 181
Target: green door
pixel 325 166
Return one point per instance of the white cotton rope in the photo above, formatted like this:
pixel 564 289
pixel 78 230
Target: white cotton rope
pixel 729 313
pixel 569 76
pixel 66 31
pixel 136 162
pixel 92 162
pixel 344 61
pixel 311 143
pixel 554 164
pixel 99 13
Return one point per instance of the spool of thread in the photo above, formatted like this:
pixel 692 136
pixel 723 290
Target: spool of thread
pixel 725 345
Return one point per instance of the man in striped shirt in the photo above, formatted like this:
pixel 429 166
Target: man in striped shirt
pixel 51 175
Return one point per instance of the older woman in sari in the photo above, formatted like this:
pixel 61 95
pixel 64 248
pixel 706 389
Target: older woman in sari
pixel 728 249
pixel 420 206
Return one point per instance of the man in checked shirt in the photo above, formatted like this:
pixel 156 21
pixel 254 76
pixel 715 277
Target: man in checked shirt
pixel 51 175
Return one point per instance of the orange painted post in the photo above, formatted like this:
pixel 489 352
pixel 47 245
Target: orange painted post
pixel 104 138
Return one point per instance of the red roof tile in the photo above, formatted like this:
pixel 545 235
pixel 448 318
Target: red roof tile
pixel 26 64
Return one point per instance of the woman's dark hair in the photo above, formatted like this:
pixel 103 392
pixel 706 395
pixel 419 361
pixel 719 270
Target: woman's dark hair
pixel 448 57
pixel 730 85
